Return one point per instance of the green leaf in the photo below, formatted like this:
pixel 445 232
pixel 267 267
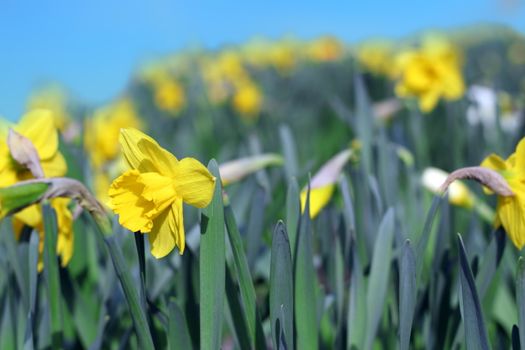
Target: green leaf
pixel 407 294
pixel 364 125
pixel 379 274
pixel 16 197
pixel 520 297
pixel 356 320
pixel 425 235
pixel 212 267
pixel 293 212
pixel 281 289
pixel 490 262
pixel 305 284
pixel 475 332
pixel 239 323
pixel 178 333
pixel 243 272
pixel 51 274
pixel 289 151
pixel 138 314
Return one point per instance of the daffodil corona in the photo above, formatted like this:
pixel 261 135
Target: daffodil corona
pixel 510 211
pixel 148 197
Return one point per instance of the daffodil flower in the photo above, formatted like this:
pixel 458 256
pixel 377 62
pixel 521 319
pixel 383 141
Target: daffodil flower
pixel 323 183
pixel 148 197
pixel 510 210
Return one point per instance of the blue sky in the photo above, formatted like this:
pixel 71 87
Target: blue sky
pixel 92 47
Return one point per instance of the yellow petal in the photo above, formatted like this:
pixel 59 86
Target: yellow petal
pixel 145 154
pixel 164 237
pixel 55 166
pixel 511 214
pixel 179 222
pixel 494 162
pixel 65 229
pixel 319 198
pixel 194 183
pixel 39 127
pixel 158 189
pixel 428 101
pixel 520 157
pixel 126 200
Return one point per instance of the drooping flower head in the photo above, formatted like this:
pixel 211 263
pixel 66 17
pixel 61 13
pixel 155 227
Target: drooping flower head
pixel 148 197
pixel 510 211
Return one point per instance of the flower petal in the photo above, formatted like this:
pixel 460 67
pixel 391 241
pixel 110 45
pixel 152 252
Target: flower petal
pixel 158 189
pixel 55 166
pixel 520 157
pixel 145 154
pixel 39 127
pixel 194 183
pixel 494 162
pixel 319 198
pixel 126 200
pixel 163 238
pixel 511 214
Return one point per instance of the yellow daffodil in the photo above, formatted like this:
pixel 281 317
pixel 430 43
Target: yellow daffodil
pixel 39 128
pixel 376 57
pixel 148 197
pixel 323 183
pixel 247 101
pixel 510 210
pixel 169 95
pixel 430 73
pixel 325 49
pixel 103 128
pixel 32 217
pixel 54 99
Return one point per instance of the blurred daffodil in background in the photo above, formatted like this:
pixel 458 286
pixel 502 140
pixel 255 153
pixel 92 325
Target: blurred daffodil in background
pixel 430 72
pixel 247 101
pixel 377 56
pixel 325 49
pixel 54 99
pixel 511 209
pixel 148 197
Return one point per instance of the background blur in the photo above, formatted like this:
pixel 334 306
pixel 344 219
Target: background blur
pixel 92 48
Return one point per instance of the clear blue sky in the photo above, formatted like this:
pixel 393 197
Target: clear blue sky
pixel 91 47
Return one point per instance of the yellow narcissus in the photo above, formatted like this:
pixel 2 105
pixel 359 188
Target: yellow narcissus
pixel 510 211
pixel 39 128
pixel 247 101
pixel 323 183
pixel 430 73
pixel 32 217
pixel 148 197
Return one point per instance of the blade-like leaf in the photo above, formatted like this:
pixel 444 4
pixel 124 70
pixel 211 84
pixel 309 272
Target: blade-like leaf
pixel 293 212
pixel 520 297
pixel 281 289
pixel 407 294
pixel 304 289
pixel 243 271
pixel 52 275
pixel 212 267
pixel 379 275
pixel 475 332
pixel 356 320
pixel 178 333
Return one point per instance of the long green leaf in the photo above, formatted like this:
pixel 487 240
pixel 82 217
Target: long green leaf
pixel 243 272
pixel 212 267
pixel 379 275
pixel 281 289
pixel 178 333
pixel 293 212
pixel 356 320
pixel 520 297
pixel 305 285
pixel 407 294
pixel 475 332
pixel 51 274
pixel 128 286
